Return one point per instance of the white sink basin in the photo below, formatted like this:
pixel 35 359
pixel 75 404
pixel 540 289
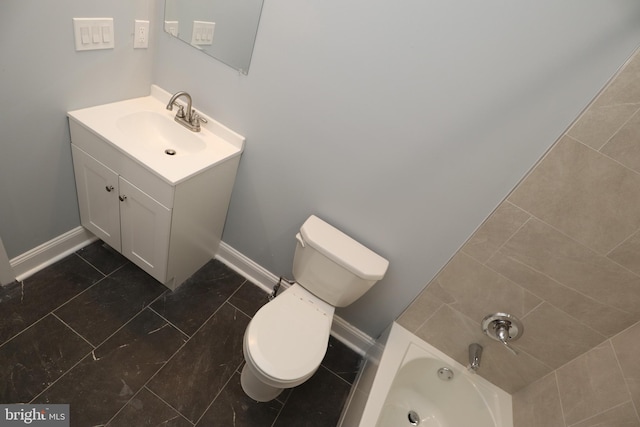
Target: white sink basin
pixel 158 132
pixel 146 131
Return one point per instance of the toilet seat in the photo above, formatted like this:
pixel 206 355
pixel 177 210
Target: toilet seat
pixel 287 338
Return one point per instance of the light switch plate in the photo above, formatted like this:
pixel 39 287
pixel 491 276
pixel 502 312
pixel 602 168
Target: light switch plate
pixel 141 34
pixel 172 27
pixel 93 33
pixel 202 33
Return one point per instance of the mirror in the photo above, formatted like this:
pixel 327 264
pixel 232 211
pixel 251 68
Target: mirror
pixel 223 29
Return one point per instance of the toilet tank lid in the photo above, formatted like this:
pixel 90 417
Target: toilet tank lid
pixel 342 249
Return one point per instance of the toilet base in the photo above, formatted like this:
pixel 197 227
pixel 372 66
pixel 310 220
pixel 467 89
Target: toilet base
pixel 256 389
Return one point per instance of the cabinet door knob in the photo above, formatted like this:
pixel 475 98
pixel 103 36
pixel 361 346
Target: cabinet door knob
pixel 122 198
pixel 109 188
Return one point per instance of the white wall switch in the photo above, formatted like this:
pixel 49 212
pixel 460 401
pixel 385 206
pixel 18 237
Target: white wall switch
pixel 141 34
pixel 172 27
pixel 93 33
pixel 202 33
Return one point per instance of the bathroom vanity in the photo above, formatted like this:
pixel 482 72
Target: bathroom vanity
pixel 150 188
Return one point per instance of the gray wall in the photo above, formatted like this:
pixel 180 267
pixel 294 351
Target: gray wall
pixel 404 124
pixel 41 78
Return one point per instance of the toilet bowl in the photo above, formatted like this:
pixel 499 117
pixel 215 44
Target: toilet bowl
pixel 287 338
pixel 285 342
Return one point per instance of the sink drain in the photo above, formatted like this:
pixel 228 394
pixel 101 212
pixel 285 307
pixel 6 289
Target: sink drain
pixel 414 418
pixel 170 152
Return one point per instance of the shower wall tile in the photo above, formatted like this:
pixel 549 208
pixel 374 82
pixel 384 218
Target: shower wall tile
pixel 591 384
pixel 575 266
pixel 595 314
pixel 624 88
pixel 628 253
pixel 423 307
pixel 627 348
pixel 538 405
pixel 508 371
pixel 563 252
pixel 476 290
pixel 583 194
pixel 599 124
pixel 452 332
pixel 620 416
pixel 495 231
pixel 553 337
pixel 624 147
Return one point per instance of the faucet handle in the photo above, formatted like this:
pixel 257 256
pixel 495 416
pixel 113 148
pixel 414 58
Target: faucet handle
pixel 180 112
pixel 196 118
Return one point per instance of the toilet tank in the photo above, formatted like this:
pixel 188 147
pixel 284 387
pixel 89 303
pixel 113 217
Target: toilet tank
pixel 333 266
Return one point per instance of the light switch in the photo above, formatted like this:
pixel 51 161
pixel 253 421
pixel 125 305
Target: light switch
pixel 202 33
pixel 93 33
pixel 84 35
pixel 96 34
pixel 172 27
pixel 106 34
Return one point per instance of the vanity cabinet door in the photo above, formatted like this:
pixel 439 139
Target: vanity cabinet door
pixel 97 187
pixel 145 227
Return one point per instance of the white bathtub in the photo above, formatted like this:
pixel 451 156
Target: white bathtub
pixel 399 386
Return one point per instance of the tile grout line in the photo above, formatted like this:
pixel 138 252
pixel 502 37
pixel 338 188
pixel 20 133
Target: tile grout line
pixel 59 378
pixel 184 344
pixel 624 377
pixel 74 331
pixel 187 336
pixel 219 393
pixel 144 387
pixel 52 312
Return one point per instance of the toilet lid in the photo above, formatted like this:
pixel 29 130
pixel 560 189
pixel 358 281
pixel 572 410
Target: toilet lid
pixel 288 337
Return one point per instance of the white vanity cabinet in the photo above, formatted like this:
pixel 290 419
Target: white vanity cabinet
pixel 160 214
pixel 122 215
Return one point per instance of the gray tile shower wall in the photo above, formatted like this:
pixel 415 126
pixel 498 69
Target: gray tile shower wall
pixel 562 252
pixel 98 333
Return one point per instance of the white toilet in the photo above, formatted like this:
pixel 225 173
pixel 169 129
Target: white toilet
pixel 287 338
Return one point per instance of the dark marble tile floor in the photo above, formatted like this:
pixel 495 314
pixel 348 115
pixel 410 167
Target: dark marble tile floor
pixel 96 332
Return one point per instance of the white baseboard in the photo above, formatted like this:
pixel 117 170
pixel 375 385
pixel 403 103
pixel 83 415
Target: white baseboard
pixel 55 249
pixel 348 334
pixel 49 252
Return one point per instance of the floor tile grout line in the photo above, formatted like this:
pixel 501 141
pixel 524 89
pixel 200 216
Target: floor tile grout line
pixel 166 403
pixel 90 264
pixel 163 364
pixel 335 374
pixel 226 301
pixel 218 393
pixel 79 293
pixel 23 331
pixel 144 307
pixel 50 312
pixel 144 387
pixel 239 309
pixel 215 312
pixel 186 335
pixel 156 373
pixel 74 331
pixel 275 420
pixel 60 377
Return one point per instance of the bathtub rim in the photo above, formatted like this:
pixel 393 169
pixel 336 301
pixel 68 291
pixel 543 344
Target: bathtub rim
pixel 388 355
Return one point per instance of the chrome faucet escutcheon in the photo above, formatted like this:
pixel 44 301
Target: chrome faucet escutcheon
pixel 189 119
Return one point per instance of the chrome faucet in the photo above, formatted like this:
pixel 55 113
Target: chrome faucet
pixel 475 354
pixel 189 119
